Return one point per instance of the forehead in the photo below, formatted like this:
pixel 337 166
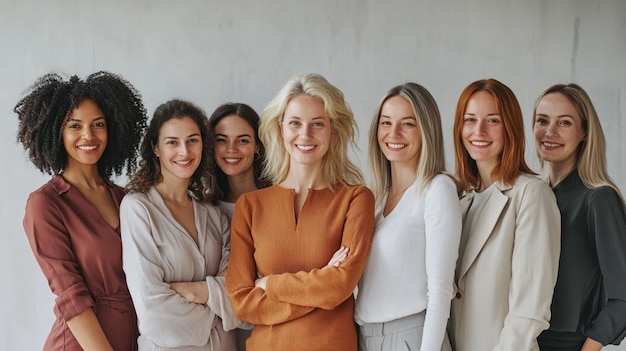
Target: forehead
pixel 558 104
pixel 179 127
pixel 305 106
pixel 233 124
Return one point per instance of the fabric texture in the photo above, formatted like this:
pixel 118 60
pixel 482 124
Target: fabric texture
pixel 412 260
pixel 159 251
pixel 507 269
pixel 307 305
pixel 590 294
pixel 81 257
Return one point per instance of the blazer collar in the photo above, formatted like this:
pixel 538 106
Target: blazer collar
pixel 483 225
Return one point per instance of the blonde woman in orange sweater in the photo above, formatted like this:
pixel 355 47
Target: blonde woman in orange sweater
pixel 283 234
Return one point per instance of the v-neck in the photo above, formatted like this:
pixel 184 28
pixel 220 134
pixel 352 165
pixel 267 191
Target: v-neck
pixel 160 203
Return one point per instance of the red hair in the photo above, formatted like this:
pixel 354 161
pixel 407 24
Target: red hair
pixel 512 161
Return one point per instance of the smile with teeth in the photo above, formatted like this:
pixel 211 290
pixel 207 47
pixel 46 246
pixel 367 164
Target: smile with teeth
pixel 183 163
pixel 232 160
pixel 87 147
pixel 306 147
pixel 480 143
pixel 547 144
pixel 396 146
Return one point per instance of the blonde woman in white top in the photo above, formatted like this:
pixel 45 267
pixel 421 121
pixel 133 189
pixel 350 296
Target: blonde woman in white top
pixel 405 292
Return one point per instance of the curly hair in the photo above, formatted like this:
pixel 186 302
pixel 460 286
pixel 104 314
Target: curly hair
pixel 252 118
pixel 202 183
pixel 50 101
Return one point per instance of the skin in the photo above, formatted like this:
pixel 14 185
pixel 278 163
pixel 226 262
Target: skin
pixel 85 139
pixel 558 131
pixel 400 140
pixel 483 134
pixel 235 150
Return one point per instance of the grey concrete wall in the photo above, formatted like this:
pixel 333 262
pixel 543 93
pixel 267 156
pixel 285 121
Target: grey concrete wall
pixel 216 51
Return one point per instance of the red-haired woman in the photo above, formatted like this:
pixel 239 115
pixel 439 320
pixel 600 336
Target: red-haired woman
pixel 510 241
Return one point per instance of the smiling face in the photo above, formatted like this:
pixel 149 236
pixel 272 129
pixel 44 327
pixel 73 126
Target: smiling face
pixel 306 130
pixel 179 148
pixel 558 130
pixel 483 131
pixel 85 135
pixel 398 133
pixel 235 146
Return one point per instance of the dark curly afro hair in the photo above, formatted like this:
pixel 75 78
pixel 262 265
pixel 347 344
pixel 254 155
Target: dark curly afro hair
pixel 49 102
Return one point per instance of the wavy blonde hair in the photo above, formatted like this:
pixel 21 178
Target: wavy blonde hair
pixel 336 166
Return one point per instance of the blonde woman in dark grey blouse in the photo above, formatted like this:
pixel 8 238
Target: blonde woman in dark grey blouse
pixel 589 303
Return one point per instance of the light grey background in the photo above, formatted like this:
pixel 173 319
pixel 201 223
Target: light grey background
pixel 213 51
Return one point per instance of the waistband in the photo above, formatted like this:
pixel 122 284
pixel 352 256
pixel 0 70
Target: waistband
pixel 394 326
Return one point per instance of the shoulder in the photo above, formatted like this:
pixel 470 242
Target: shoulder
pixel 49 193
pixel 530 184
pixel 441 182
pixel 134 200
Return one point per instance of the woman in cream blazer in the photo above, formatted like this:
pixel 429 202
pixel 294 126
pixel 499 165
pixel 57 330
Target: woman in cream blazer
pixel 509 249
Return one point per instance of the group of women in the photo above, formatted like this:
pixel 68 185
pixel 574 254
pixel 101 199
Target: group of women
pixel 235 223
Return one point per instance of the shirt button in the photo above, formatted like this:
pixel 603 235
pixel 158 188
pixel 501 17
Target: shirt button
pixel 458 295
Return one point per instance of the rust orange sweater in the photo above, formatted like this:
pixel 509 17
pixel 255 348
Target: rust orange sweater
pixel 306 306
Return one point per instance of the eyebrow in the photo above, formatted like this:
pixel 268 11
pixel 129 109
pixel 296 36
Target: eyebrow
pixel 407 117
pixel 559 116
pixel 188 136
pixel 80 120
pixel 238 136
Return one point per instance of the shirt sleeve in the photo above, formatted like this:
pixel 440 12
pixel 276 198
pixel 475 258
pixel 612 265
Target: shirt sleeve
pixel 607 225
pixel 442 219
pixel 534 267
pixel 218 297
pixel 50 241
pixel 164 317
pixel 328 287
pixel 252 304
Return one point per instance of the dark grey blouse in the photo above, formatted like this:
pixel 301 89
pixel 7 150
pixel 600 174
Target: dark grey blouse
pixel 590 294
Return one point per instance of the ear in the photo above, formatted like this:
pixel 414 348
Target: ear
pixel 155 150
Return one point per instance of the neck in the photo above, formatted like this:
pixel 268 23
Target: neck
pixel 303 178
pixel 83 176
pixel 557 171
pixel 484 176
pixel 402 176
pixel 175 190
pixel 240 184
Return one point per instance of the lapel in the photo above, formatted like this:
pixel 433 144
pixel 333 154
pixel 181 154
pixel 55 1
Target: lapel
pixel 483 225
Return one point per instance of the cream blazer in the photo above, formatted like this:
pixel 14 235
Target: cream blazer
pixel 507 270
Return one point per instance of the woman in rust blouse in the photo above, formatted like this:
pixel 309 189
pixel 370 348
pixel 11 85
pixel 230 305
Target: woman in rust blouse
pixel 82 132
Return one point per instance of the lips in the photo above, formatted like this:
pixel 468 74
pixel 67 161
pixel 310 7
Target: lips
pixel 87 147
pixel 305 147
pixel 396 146
pixel 550 145
pixel 232 161
pixel 184 163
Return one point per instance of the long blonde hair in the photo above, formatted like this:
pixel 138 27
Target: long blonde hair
pixel 591 158
pixel 431 157
pixel 336 166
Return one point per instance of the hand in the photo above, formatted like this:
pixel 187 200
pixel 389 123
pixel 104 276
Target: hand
pixel 196 292
pixel 591 345
pixel 339 256
pixel 261 283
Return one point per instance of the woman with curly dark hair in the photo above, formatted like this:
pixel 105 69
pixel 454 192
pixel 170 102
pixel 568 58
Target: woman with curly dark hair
pixel 176 243
pixel 82 132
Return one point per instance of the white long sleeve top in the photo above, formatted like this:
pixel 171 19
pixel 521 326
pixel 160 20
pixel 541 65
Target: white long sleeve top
pixel 412 260
pixel 157 250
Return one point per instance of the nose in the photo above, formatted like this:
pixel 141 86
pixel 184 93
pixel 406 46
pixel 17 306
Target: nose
pixel 231 146
pixel 183 149
pixel 305 130
pixel 395 131
pixel 551 129
pixel 481 127
pixel 87 133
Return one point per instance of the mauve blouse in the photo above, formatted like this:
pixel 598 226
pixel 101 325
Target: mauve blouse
pixel 81 257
